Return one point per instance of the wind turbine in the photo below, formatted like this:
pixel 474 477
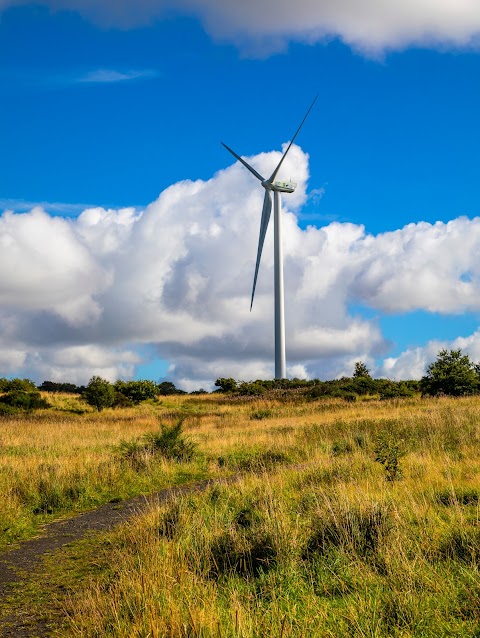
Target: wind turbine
pixel 276 186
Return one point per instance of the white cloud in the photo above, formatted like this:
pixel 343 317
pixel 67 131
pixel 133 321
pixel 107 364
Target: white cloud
pixel 268 25
pixel 112 76
pixel 54 208
pixel 412 363
pixel 82 294
pixel 49 270
pixel 78 363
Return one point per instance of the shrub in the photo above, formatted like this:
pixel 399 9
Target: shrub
pixel 137 391
pixel 11 385
pixel 22 400
pixel 251 389
pixel 170 443
pixel 452 374
pixel 167 387
pixel 394 390
pixel 226 384
pixel 121 401
pixel 99 393
pixel 388 451
pixel 7 410
pixel 52 386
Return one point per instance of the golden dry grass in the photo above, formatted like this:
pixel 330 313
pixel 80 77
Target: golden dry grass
pixel 346 552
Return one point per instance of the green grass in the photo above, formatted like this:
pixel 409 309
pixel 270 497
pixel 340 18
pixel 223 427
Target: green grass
pixel 350 519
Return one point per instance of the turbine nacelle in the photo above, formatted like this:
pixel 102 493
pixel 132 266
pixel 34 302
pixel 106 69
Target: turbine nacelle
pixel 282 186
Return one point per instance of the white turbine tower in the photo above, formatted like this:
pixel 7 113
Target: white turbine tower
pixel 277 186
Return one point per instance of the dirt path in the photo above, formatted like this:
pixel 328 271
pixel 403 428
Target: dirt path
pixel 16 564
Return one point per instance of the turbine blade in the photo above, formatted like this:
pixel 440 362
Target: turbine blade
pixel 252 170
pixel 274 174
pixel 267 209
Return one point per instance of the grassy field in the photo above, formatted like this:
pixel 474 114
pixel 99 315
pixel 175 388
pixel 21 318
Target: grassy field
pixel 347 519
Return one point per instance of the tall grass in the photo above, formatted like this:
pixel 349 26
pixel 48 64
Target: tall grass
pixel 323 535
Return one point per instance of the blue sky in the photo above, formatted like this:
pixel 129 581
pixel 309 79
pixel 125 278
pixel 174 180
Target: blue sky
pixel 97 115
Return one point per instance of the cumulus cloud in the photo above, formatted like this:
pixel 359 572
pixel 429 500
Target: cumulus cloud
pixel 50 270
pixel 268 25
pixel 84 293
pixel 412 363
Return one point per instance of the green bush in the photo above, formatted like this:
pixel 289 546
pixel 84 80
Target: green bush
pixel 169 443
pixel 452 374
pixel 251 389
pixel 121 401
pixel 53 386
pixel 12 385
pixel 167 387
pixel 137 391
pixel 21 400
pixel 395 390
pixel 99 393
pixel 388 451
pixel 226 384
pixel 7 410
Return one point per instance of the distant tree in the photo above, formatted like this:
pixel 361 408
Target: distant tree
pixel 452 373
pixel 99 393
pixel 53 386
pixel 12 385
pixel 167 387
pixel 361 370
pixel 137 391
pixel 226 384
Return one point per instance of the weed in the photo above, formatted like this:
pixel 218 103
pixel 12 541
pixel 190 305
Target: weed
pixel 388 451
pixel 247 517
pixel 359 531
pixel 341 446
pixel 457 497
pixel 255 461
pixel 259 415
pixel 246 555
pixel 169 443
pixel 461 545
pixel 169 523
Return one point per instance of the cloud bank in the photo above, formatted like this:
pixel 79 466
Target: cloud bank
pixel 268 25
pixel 83 294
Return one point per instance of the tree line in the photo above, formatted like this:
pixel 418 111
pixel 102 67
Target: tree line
pixel 451 374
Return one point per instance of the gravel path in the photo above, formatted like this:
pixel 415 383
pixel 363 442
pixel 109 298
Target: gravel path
pixel 26 558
